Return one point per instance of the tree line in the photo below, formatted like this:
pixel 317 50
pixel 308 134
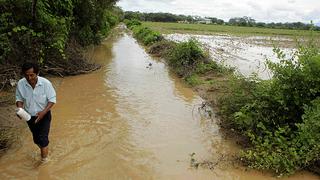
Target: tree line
pixel 235 21
pixel 249 22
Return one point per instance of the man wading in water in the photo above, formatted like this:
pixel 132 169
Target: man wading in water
pixel 36 95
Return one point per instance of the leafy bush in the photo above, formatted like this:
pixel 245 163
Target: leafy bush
pixel 111 19
pixel 161 48
pixel 238 95
pixel 286 150
pixel 131 23
pixel 281 115
pixel 146 35
pixel 95 19
pixel 41 34
pixel 185 57
pixel 5 25
pixel 152 37
pixel 205 67
pixel 85 35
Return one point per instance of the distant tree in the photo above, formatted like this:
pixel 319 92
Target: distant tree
pixel 237 21
pixel 249 21
pixel 242 21
pixel 132 15
pixel 220 21
pixel 215 20
pixel 261 24
pixel 159 17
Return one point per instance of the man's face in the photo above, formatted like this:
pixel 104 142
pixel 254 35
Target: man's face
pixel 31 76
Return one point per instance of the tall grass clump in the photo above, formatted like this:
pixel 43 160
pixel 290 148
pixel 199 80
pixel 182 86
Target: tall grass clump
pixel 146 35
pixel 185 57
pixel 161 48
pixel 280 116
pixel 143 34
pixel 131 23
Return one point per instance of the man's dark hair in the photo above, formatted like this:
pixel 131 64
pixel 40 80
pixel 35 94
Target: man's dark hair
pixel 28 65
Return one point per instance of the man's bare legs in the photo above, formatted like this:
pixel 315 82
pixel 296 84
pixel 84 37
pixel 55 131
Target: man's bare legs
pixel 44 153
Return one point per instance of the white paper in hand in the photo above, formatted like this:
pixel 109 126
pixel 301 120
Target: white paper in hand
pixel 23 114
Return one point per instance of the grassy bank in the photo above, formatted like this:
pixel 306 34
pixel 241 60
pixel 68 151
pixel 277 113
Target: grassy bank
pixel 187 59
pixel 168 28
pixel 279 118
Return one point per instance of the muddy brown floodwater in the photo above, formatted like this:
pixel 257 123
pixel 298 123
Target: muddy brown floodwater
pixel 132 119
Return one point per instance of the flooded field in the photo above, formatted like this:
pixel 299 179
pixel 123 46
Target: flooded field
pixel 247 54
pixel 132 119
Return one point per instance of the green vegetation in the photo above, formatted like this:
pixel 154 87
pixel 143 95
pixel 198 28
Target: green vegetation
pixel 279 118
pixel 50 31
pixel 249 22
pixel 130 23
pixel 144 34
pixel 157 17
pixel 215 29
pixel 187 59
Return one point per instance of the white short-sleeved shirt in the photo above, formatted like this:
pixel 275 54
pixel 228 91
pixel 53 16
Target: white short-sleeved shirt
pixel 35 100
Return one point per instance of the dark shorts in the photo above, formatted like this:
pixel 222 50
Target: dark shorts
pixel 40 130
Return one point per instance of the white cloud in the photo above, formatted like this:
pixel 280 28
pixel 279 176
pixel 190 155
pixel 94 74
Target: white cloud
pixel 266 11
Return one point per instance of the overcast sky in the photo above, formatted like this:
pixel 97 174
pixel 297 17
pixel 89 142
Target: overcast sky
pixel 260 10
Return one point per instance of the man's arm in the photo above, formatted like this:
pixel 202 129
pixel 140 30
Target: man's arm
pixel 51 95
pixel 19 98
pixel 41 114
pixel 19 104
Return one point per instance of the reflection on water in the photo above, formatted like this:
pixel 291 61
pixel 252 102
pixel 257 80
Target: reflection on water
pixel 128 120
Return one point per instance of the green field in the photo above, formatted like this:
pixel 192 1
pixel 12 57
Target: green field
pixel 167 28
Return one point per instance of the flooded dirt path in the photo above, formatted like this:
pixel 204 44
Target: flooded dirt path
pixel 132 119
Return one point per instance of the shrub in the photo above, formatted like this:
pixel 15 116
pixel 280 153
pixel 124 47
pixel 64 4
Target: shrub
pixel 161 48
pixel 85 35
pixel 146 35
pixel 205 67
pixel 281 115
pixel 286 150
pixel 152 37
pixel 131 23
pixel 185 57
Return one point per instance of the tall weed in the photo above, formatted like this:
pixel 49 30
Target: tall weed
pixel 185 57
pixel 146 35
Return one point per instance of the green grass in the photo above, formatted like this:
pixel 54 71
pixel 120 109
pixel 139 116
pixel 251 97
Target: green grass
pixel 167 28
